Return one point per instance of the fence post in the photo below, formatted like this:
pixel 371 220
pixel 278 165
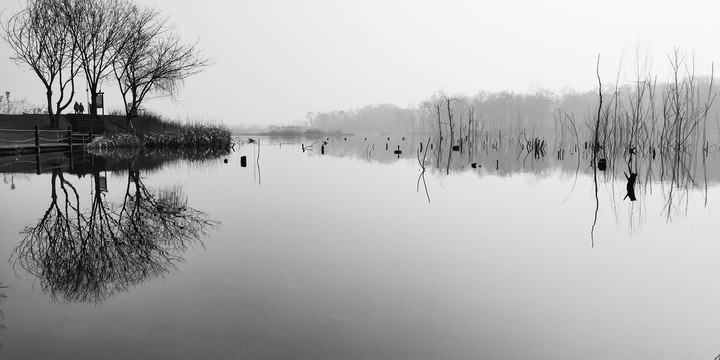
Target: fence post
pixel 69 132
pixel 37 139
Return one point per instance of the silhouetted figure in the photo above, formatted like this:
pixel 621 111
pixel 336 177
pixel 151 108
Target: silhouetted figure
pixel 76 107
pixel 630 186
pixel 81 108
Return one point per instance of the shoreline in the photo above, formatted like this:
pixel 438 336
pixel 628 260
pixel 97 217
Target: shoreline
pixel 18 133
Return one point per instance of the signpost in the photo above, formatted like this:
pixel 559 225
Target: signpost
pixel 99 101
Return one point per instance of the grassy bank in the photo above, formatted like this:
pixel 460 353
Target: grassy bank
pixel 150 132
pixel 192 136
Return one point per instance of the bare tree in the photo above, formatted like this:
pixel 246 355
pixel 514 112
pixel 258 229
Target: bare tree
pixel 100 30
pixel 145 27
pixel 438 105
pixel 154 60
pixel 448 102
pixel 40 39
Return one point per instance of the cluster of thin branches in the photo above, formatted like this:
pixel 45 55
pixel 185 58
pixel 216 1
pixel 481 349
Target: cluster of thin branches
pixel 90 255
pixel 59 39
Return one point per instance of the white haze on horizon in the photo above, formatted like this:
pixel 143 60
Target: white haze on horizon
pixel 277 60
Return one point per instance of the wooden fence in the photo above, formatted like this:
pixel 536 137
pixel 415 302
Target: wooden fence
pixel 41 140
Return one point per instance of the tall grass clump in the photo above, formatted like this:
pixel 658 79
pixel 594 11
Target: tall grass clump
pixel 197 136
pixel 191 136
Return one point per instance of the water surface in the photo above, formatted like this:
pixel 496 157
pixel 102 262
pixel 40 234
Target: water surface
pixel 343 255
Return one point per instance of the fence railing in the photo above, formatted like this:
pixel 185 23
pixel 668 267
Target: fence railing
pixel 39 138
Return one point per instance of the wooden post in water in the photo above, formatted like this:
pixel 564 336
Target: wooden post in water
pixel 37 162
pixel 69 141
pixel 37 142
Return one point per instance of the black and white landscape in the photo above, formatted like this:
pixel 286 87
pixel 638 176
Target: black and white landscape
pixel 359 180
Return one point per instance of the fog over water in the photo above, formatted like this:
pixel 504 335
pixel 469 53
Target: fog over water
pixel 407 180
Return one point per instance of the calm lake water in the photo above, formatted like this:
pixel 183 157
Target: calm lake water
pixel 343 255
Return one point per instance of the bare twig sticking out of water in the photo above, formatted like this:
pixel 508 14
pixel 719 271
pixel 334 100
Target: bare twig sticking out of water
pixel 257 163
pixel 422 166
pixel 437 107
pixel 577 149
pixel 470 138
pixel 448 102
pixel 596 145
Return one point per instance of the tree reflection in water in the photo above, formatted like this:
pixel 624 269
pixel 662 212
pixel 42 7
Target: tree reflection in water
pixel 3 296
pixel 90 255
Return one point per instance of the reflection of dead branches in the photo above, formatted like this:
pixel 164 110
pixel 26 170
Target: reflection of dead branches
pixel 257 164
pixel 422 166
pixel 91 255
pixel 2 314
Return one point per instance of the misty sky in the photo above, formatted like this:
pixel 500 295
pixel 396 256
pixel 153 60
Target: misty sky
pixel 275 60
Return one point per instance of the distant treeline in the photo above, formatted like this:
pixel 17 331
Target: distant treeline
pixel 367 119
pixel 509 112
pixel 674 121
